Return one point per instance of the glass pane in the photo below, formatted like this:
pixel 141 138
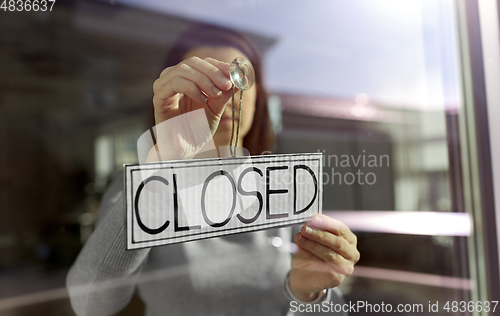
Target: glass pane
pixel 373 85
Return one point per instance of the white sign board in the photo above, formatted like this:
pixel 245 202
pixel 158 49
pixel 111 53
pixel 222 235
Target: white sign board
pixel 178 201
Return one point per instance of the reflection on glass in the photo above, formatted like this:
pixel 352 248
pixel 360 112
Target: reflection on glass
pixel 372 85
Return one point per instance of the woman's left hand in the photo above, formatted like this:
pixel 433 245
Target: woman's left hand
pixel 326 256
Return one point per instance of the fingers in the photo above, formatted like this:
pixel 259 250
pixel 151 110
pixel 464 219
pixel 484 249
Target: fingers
pixel 217 71
pixel 327 254
pixel 209 79
pixel 179 85
pixel 326 241
pixel 334 226
pixel 222 66
pixel 195 82
pixel 333 260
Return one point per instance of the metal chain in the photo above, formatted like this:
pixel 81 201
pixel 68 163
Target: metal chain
pixel 231 149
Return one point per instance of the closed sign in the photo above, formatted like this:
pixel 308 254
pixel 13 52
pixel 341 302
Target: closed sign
pixel 178 201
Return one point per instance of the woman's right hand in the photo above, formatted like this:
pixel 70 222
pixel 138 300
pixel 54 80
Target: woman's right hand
pixel 192 84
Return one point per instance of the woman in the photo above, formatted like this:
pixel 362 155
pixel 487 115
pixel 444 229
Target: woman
pixel 232 275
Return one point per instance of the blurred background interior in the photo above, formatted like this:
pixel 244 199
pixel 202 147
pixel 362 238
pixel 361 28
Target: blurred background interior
pixel 386 78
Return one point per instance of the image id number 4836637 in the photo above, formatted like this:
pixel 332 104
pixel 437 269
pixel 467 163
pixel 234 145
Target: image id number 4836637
pixel 27 5
pixel 470 306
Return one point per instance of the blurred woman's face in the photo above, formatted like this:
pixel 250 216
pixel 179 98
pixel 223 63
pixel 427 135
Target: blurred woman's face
pixel 222 136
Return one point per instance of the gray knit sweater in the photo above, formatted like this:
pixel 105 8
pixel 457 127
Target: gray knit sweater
pixel 240 274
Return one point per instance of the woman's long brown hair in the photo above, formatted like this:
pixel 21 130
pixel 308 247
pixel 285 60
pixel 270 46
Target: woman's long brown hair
pixel 260 138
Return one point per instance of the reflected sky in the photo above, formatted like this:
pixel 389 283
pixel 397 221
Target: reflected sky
pixel 399 53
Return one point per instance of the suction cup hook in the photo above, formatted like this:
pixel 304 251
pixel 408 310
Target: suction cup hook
pixel 242 73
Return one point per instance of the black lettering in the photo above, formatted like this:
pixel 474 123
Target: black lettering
pixel 295 212
pixel 203 191
pixel 178 228
pixel 269 192
pixel 152 231
pixel 251 193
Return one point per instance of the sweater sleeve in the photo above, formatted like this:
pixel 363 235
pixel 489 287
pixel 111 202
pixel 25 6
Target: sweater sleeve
pixel 103 277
